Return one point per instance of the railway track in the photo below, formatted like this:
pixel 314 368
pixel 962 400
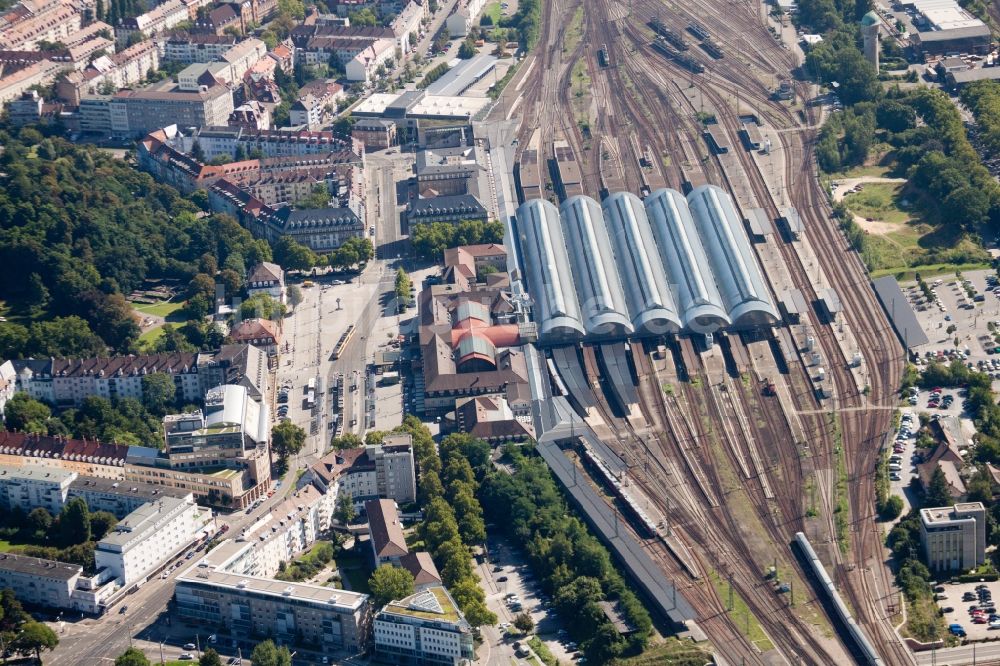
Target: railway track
pixel 636 68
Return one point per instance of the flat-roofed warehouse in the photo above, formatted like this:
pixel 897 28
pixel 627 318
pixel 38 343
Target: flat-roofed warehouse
pixel 463 76
pixel 945 27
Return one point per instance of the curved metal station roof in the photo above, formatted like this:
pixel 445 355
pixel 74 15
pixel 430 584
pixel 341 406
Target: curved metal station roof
pixel 547 267
pixel 602 300
pixel 644 280
pixel 666 264
pixel 737 272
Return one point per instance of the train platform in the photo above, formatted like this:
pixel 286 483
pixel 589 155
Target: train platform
pixel 666 599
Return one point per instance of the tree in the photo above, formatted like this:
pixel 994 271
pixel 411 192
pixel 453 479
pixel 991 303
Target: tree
pixel 467 50
pixel 287 439
pixel 101 522
pixel 12 615
pixel 34 638
pixel 364 18
pixel 292 255
pixel 389 583
pixel 403 285
pixel 524 623
pixel 231 280
pixel 40 519
pixel 210 658
pixel 269 654
pixel 74 522
pixel 263 306
pixel 893 507
pixel 938 492
pixel 158 392
pixel 25 414
pixel 345 512
pixel 346 441
pixel 132 657
pixel 478 615
pixel 294 295
pixel 65 337
pixel 37 294
pixel 319 197
pixel 197 152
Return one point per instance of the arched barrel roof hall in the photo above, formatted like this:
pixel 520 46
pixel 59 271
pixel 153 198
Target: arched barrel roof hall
pixel 737 273
pixel 546 261
pixel 640 268
pixel 598 287
pixel 685 261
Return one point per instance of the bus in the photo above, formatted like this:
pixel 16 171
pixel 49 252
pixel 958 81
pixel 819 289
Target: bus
pixel 342 343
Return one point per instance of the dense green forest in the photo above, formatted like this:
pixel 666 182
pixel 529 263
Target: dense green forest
pixel 80 230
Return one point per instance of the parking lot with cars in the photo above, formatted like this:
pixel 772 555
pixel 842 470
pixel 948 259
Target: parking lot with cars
pixel 965 310
pixel 517 592
pixel 969 609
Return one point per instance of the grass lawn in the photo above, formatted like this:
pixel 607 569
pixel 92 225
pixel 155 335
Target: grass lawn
pixel 163 309
pixel 494 11
pixel 876 170
pixel 930 270
pixel 148 339
pixel 881 202
pixel 671 651
pixel 542 650
pixel 574 32
pixel 5 545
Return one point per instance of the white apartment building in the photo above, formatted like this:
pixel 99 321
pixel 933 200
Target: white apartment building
pixel 281 535
pixel 464 17
pixel 954 537
pixel 362 67
pixel 148 536
pixel 28 488
pixel 158 19
pixel 53 584
pixel 266 278
pixel 367 473
pixel 189 49
pixel 406 23
pixel 8 383
pixel 69 381
pixel 243 56
pixel 215 594
pixel 424 628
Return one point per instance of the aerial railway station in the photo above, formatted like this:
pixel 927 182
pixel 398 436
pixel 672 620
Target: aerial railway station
pixel 632 268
